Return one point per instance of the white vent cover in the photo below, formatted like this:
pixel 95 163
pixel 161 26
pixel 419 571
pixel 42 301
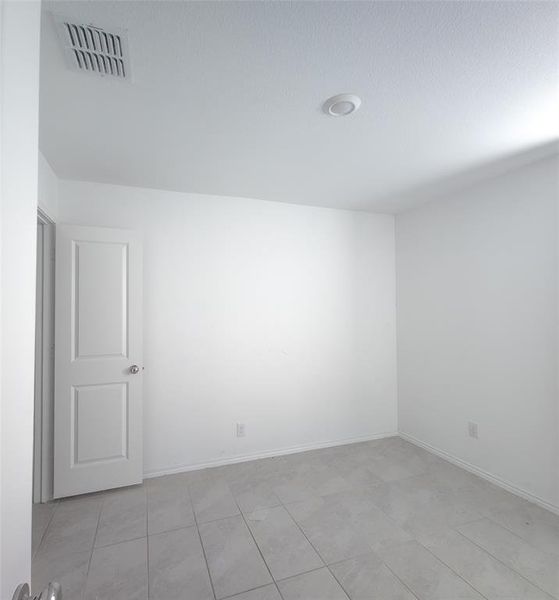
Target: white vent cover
pixel 94 50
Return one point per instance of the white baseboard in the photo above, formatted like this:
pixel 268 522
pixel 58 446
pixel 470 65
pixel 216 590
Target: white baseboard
pixel 506 485
pixel 277 452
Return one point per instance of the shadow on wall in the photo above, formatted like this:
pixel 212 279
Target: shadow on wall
pixel 461 180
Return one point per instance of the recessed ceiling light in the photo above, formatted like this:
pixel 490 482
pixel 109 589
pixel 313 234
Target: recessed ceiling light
pixel 342 105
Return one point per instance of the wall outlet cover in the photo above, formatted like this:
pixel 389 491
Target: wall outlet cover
pixel 473 430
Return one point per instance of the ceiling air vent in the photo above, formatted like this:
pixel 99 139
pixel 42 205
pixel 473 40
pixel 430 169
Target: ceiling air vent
pixel 95 50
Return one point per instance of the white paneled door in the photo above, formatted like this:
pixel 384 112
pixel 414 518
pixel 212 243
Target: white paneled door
pixel 98 360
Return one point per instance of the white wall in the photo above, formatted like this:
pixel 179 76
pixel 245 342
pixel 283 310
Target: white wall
pixel 477 281
pixel 48 188
pixel 19 101
pixel 276 315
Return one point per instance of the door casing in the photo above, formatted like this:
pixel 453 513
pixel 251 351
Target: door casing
pixel 44 361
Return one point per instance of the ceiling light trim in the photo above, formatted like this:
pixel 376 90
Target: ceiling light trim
pixel 342 105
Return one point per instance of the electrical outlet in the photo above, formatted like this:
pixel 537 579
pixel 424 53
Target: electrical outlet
pixel 241 431
pixel 472 430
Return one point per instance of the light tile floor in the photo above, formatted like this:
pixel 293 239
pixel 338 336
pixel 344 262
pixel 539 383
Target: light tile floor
pixel 381 520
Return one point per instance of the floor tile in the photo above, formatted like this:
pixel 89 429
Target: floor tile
pixel 201 475
pixel 175 481
pixel 294 485
pixel 265 468
pixel 391 467
pixel 389 519
pixel 234 561
pixel 42 514
pixel 398 454
pixel 308 475
pixel 73 526
pixel 253 494
pixel 252 471
pixel 69 570
pixel 326 525
pixel 326 480
pixel 472 492
pixel 317 585
pixel 212 500
pixel 539 527
pixel 123 516
pixel 118 572
pixel 357 473
pixel 486 574
pixel 539 567
pixel 422 506
pixel 284 547
pixel 177 567
pixel 400 449
pixel 345 525
pixel 425 575
pixel 446 476
pixel 367 578
pixel 169 507
pixel 268 592
pixel 379 529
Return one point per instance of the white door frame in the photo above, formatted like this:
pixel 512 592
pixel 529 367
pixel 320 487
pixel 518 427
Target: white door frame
pixel 44 364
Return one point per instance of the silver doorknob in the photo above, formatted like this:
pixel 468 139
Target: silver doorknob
pixel 134 369
pixel 52 592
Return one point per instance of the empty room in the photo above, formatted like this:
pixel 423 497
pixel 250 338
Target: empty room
pixel 279 311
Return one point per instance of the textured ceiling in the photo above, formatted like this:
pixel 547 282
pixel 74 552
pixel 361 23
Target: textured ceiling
pixel 226 96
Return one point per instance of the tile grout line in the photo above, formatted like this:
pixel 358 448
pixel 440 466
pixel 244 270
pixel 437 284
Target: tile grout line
pixel 57 504
pixel 366 488
pixel 200 540
pixel 353 557
pixel 260 587
pixel 82 595
pixel 372 551
pixel 415 538
pixel 514 533
pixel 283 504
pixel 357 556
pixel 299 574
pixel 317 552
pixel 452 570
pixel 147 540
pixel 502 563
pixel 252 535
pixel 305 535
pixel 241 514
pixel 274 582
pixel 139 537
pixel 398 578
